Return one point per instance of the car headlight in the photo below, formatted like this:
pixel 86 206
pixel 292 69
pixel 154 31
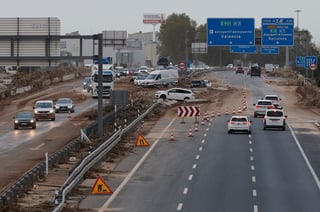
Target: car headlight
pixel 16 121
pixel 51 111
pixel 35 111
pixel 31 121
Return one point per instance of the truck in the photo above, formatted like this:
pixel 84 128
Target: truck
pixel 161 78
pixel 107 80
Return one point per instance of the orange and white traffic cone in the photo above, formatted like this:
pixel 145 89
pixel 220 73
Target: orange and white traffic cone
pixel 69 115
pixel 202 122
pixel 171 136
pixel 190 132
pixel 196 129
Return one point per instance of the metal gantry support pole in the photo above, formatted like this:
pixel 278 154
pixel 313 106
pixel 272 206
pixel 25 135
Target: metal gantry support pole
pixel 100 87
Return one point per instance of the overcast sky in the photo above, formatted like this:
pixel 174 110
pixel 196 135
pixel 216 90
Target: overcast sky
pixel 90 17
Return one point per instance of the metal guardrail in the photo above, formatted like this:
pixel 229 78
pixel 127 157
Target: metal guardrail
pixel 92 159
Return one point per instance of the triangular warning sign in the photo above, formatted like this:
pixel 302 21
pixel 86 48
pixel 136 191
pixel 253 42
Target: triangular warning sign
pixel 141 141
pixel 100 187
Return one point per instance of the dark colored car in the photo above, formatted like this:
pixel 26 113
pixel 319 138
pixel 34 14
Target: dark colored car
pixel 198 84
pixel 239 70
pixel 86 83
pixel 24 119
pixel 255 70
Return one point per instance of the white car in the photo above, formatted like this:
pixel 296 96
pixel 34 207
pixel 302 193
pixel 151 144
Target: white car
pixel 274 118
pixel 240 124
pixel 139 79
pixel 180 94
pixel 229 66
pixel 275 99
pixel 261 106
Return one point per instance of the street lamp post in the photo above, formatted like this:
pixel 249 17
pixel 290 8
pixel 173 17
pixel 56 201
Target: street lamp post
pixel 296 44
pixel 297 11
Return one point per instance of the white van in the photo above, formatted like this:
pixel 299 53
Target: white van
pixel 268 68
pixel 161 78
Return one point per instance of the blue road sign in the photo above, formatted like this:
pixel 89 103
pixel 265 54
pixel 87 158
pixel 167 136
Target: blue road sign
pixel 269 50
pixel 277 32
pixel 244 49
pixel 310 60
pixel 230 32
pixel 300 61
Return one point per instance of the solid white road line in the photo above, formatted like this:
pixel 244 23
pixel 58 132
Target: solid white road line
pixel 316 179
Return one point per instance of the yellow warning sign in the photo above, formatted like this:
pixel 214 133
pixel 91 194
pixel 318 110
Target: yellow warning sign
pixel 141 141
pixel 100 187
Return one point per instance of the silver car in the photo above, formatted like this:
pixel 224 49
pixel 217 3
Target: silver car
pixel 64 105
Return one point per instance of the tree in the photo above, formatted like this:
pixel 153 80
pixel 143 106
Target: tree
pixel 173 35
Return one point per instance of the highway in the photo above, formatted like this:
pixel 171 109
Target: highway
pixel 216 171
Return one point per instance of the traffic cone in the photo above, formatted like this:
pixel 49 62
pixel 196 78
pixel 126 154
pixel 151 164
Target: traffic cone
pixel 171 136
pixel 212 115
pixel 202 122
pixel 190 132
pixel 196 129
pixel 69 115
pixel 205 116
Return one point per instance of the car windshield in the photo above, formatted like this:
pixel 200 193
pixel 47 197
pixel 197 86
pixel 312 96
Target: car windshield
pixel 239 119
pixel 264 103
pixel 275 113
pixel 64 101
pixel 271 98
pixel 24 115
pixel 43 105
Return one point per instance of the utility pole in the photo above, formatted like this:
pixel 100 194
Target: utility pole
pixel 186 47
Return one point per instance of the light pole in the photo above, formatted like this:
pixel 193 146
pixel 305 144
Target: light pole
pixel 297 11
pixel 296 44
pixel 186 48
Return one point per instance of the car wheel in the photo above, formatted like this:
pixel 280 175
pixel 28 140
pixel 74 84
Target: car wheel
pixel 186 99
pixel 255 115
pixel 249 131
pixel 16 128
pixel 53 119
pixel 163 97
pixel 229 131
pixel 34 127
pixel 264 127
pixel 284 128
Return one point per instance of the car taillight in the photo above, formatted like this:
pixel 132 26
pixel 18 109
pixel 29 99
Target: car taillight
pixel 231 122
pixel 246 123
pixel 271 107
pixel 258 106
